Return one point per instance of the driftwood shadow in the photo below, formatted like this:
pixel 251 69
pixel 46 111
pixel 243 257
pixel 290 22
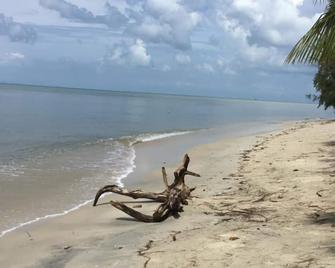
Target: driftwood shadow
pixel 329 143
pixel 127 219
pixel 320 218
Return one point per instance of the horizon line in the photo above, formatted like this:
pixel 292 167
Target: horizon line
pixel 150 92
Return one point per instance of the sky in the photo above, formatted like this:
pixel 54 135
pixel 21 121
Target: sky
pixel 226 48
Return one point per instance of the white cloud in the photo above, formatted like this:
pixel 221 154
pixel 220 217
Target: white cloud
pixel 256 53
pixel 138 53
pixel 206 67
pixel 163 6
pixel 183 59
pixel 168 22
pixel 229 71
pixel 257 26
pixel 16 32
pixel 112 18
pixel 232 26
pixel 165 68
pixel 241 34
pixel 258 32
pixel 157 21
pixel 277 22
pixel 130 54
pixel 11 57
pixel 224 37
pixel 225 66
pixel 16 55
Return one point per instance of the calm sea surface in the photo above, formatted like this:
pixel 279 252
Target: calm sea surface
pixel 56 143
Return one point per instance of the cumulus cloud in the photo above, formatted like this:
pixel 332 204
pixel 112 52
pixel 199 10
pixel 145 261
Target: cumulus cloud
pixel 16 55
pixel 254 31
pixel 165 68
pixel 225 66
pixel 11 57
pixel 252 52
pixel 246 33
pixel 16 32
pixel 138 53
pixel 206 67
pixel 113 17
pixel 256 53
pixel 183 59
pixel 277 22
pixel 161 67
pixel 129 54
pixel 156 21
pixel 162 21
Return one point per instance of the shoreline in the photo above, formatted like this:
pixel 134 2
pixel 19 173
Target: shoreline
pixel 110 238
pixel 151 140
pixel 138 139
pixel 119 181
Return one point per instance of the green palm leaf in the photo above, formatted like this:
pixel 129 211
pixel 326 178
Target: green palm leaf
pixel 318 44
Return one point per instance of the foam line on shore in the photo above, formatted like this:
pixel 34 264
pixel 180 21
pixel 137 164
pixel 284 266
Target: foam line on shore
pixel 138 139
pixel 43 218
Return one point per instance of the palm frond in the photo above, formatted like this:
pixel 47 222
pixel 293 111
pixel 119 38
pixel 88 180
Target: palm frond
pixel 318 44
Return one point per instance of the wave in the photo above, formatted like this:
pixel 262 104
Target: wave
pixel 129 166
pixel 158 136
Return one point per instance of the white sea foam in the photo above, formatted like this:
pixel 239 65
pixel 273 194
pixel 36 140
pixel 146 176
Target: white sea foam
pixel 43 218
pixel 130 168
pixel 11 170
pixel 120 176
pixel 155 136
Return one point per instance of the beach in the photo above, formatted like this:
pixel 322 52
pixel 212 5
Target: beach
pixel 263 200
pixel 53 161
pixel 167 134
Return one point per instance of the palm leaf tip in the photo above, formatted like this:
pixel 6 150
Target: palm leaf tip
pixel 318 44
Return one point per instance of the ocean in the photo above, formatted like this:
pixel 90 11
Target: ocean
pixel 59 145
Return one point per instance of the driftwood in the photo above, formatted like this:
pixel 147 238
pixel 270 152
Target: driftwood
pixel 172 198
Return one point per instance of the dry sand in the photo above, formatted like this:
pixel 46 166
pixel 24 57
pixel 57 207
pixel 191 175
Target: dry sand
pixel 265 201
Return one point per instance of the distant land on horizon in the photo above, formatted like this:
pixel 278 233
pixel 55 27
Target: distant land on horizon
pixel 106 91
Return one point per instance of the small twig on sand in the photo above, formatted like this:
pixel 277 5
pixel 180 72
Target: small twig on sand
pixel 142 252
pixel 29 235
pixel 174 235
pixel 318 193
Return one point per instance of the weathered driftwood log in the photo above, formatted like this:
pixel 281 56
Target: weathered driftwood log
pixel 159 197
pixel 172 198
pixel 172 206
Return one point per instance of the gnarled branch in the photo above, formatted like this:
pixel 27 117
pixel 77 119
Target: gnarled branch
pixel 172 198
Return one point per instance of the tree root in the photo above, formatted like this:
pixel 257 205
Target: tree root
pixel 171 199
